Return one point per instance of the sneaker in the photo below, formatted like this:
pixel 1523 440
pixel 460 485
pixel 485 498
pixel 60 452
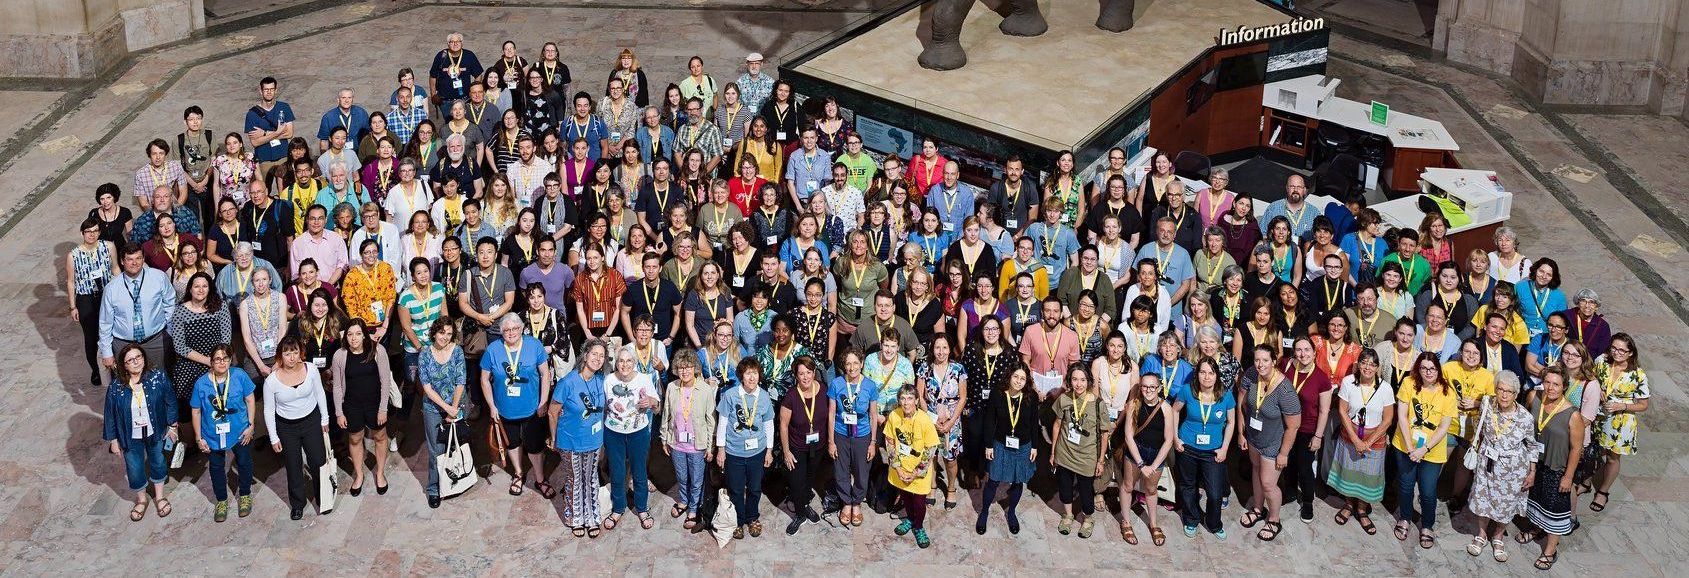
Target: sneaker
pixel 433 502
pixel 1221 534
pixel 393 443
pixel 904 527
pixel 792 528
pixel 1190 531
pixel 921 538
pixel 811 514
pixel 245 506
pixel 1307 513
pixel 221 512
pixel 1225 502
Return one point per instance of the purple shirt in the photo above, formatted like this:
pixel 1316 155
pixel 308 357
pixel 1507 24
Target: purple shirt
pixel 556 283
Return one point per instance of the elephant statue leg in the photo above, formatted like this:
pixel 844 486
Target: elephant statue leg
pixel 945 52
pixel 1023 19
pixel 1116 15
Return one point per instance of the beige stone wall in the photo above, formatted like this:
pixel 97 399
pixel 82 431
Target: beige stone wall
pixel 1627 53
pixel 83 38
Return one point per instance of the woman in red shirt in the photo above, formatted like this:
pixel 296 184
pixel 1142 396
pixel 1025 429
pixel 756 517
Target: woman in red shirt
pixel 742 191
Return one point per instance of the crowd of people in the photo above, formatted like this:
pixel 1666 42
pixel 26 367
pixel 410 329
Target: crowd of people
pixel 728 277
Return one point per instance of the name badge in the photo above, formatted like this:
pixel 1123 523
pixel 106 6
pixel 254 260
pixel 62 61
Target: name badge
pixel 257 246
pixel 751 443
pixel 1419 439
pixel 457 83
pixel 222 428
pixel 856 301
pixel 1011 442
pixel 1073 436
pixel 1255 423
pixel 598 317
pixel 812 438
pixel 716 244
pixel 578 189
pixel 1203 439
pixel 348 146
pixel 275 142
pixel 780 135
pixel 1113 414
pixel 320 362
pixel 849 418
pixel 1288 342
pixel 597 426
pixel 267 346
pixel 770 240
pixel 685 437
pixel 616 135
pixel 513 391
pixel 727 143
pixel 1012 223
pixel 551 229
pixel 949 227
pixel 739 281
pixel 810 186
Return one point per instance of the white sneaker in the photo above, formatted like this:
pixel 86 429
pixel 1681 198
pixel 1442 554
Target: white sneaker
pixel 393 443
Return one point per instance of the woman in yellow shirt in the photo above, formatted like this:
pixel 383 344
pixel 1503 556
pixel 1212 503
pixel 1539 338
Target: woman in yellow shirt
pixel 1471 382
pixel 1505 302
pixel 369 289
pixel 1425 409
pixel 911 440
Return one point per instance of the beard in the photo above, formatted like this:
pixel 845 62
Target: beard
pixel 455 155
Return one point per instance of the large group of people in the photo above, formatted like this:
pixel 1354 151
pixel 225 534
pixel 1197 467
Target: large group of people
pixel 720 272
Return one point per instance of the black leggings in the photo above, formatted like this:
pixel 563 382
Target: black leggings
pixel 1076 490
pixel 1302 470
pixel 88 309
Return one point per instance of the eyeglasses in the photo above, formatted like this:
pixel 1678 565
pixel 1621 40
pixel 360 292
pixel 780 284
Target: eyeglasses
pixel 1553 326
pixel 1619 350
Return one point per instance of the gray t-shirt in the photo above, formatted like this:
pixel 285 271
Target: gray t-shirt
pixel 486 293
pixel 1269 413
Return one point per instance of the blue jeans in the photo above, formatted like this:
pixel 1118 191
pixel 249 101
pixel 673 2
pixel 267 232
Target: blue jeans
pixel 1410 474
pixel 431 420
pixel 1201 484
pixel 628 453
pixel 220 473
pixel 143 461
pixel 689 477
pixel 744 485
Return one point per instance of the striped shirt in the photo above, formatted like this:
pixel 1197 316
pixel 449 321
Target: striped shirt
pixel 424 309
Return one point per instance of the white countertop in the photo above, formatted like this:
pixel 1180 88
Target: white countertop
pixel 1319 101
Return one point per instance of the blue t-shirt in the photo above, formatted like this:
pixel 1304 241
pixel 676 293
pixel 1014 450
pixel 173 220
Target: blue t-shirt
pixel 230 395
pixel 257 117
pixel 749 418
pixel 515 398
pixel 593 131
pixel 1194 430
pixel 580 424
pixel 1174 379
pixel 856 400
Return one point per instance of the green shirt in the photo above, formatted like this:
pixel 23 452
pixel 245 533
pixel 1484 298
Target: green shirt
pixel 861 168
pixel 1415 272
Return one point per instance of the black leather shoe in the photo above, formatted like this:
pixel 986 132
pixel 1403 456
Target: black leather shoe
pixel 297 515
pixel 355 492
pixel 433 501
pixel 381 490
pixel 811 514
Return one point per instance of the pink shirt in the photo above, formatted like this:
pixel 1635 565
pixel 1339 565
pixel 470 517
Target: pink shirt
pixel 1035 345
pixel 329 253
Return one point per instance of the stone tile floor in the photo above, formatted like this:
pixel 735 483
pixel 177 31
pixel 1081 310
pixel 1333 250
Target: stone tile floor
pixel 66 497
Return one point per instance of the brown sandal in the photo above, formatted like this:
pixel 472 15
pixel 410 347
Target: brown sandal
pixel 1156 536
pixel 1127 535
pixel 164 508
pixel 139 512
pixel 645 520
pixel 611 521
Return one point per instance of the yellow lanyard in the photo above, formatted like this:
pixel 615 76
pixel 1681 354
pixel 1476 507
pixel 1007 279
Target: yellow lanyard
pixel 1261 390
pixel 1014 410
pixel 1545 413
pixel 1331 300
pixel 1050 344
pixel 808 408
pixel 750 406
pixel 1206 409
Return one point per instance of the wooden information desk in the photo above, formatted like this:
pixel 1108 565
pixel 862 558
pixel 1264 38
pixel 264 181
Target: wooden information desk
pixel 1293 109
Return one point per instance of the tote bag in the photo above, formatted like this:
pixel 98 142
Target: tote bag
pixel 456 467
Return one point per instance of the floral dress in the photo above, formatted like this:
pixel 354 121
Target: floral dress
pixel 1617 431
pixel 235 176
pixel 1507 447
pixel 944 399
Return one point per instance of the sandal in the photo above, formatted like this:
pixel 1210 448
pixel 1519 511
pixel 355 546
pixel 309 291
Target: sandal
pixel 610 522
pixel 578 531
pixel 1426 539
pixel 1127 535
pixel 1269 531
pixel 1547 561
pixel 1366 524
pixel 516 487
pixel 1156 536
pixel 164 508
pixel 1525 537
pixel 1252 517
pixel 1086 526
pixel 1477 546
pixel 1402 530
pixel 645 520
pixel 677 511
pixel 1596 506
pixel 1500 554
pixel 1343 516
pixel 1066 525
pixel 545 490
pixel 593 532
pixel 139 512
pixel 691 522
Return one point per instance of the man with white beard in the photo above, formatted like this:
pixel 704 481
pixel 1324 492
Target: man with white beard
pixel 457 167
